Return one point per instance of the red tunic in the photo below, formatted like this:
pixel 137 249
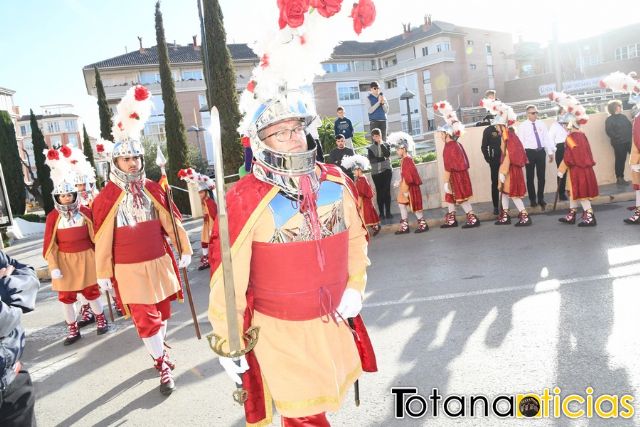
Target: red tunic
pixel 365 194
pixel 210 213
pixel 517 160
pixel 636 131
pixel 410 175
pixel 456 163
pixel 579 160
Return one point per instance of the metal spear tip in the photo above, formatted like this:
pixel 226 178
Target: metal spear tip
pixel 161 161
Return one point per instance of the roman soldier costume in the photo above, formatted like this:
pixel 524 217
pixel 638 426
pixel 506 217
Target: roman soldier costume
pixel 132 219
pixel 620 82
pixel 457 184
pixel 69 244
pixel 358 164
pixel 209 209
pixel 409 195
pixel 513 159
pixel 578 162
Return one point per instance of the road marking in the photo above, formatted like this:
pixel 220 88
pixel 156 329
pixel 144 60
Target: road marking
pixel 539 287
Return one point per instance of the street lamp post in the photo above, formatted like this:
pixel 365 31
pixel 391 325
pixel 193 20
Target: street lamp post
pixel 407 95
pixel 197 130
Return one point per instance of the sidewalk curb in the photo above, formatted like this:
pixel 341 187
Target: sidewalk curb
pixel 43 273
pixel 490 217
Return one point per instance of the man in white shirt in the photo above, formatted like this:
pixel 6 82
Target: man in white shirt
pixel 558 135
pixel 537 144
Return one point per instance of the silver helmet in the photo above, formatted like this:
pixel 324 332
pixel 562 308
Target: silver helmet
pixel 282 169
pixel 66 187
pixel 127 148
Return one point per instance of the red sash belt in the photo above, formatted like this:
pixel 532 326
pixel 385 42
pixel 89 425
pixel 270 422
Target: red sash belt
pixel 138 243
pixel 288 282
pixel 74 239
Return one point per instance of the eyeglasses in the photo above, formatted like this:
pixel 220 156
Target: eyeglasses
pixel 285 135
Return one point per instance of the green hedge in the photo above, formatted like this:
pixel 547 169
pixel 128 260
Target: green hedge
pixel 424 158
pixel 32 217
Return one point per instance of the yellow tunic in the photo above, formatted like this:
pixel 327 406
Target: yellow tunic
pixel 145 282
pixel 634 159
pixel 307 366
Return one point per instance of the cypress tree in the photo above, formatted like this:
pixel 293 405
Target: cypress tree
pixel 220 78
pixel 11 165
pixel 173 125
pixel 86 147
pixel 44 175
pixel 103 109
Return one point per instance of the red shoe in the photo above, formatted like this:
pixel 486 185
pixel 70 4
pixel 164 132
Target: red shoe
pixel 635 219
pixel 450 220
pixel 167 385
pixel 74 333
pixel 588 219
pixel 102 324
pixel 376 229
pixel 523 219
pixel 503 218
pixel 204 263
pixel 86 316
pixel 472 221
pixel 404 227
pixel 422 226
pixel 570 218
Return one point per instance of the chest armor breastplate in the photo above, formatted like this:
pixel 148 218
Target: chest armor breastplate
pixel 132 211
pixel 76 220
pixel 293 226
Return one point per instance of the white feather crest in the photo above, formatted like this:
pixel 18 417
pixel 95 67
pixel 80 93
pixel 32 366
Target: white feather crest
pixel 133 111
pixel 356 161
pixel 570 105
pixel 104 148
pixel 395 138
pixel 60 168
pixel 620 82
pixel 449 115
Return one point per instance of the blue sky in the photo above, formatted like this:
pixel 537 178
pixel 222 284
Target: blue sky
pixel 45 44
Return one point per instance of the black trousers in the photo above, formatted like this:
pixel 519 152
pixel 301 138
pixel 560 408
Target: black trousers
pixel 620 152
pixel 18 401
pixel 495 194
pixel 382 181
pixel 536 167
pixel 562 184
pixel 380 124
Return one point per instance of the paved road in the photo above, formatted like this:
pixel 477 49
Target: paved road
pixel 493 310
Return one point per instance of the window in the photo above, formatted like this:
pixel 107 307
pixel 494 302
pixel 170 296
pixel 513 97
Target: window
pixel 475 90
pixel 425 51
pixel 56 141
pixel 339 67
pixel 443 47
pixel 390 62
pixel 348 93
pixel 490 70
pixel 426 77
pixel 25 130
pixel 469 42
pixel 472 66
pixel 527 69
pixel 53 127
pixel 72 140
pixel 202 101
pixel 633 50
pixel 155 131
pixel 149 77
pixel 390 84
pixel 192 75
pixel 71 125
pixel 488 49
pixel 415 126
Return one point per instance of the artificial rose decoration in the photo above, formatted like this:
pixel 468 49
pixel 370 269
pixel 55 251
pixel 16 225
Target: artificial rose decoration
pixel 66 151
pixel 141 93
pixel 53 154
pixel 363 14
pixel 292 12
pixel 327 8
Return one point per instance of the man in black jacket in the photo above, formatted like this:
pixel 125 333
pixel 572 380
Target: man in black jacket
pixel 378 154
pixel 491 141
pixel 336 155
pixel 18 290
pixel 618 128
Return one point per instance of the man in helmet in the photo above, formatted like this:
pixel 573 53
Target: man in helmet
pixel 132 219
pixel 299 250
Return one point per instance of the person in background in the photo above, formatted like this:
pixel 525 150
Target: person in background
pixel 378 154
pixel 618 128
pixel 409 195
pixel 343 126
pixel 378 109
pixel 490 147
pixel 558 135
pixel 359 164
pixel 18 290
pixel 538 146
pixel 336 155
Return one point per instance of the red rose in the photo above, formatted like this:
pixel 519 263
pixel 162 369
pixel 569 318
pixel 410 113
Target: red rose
pixel 141 93
pixel 251 86
pixel 66 151
pixel 264 61
pixel 435 107
pixel 602 84
pixel 134 115
pixel 100 148
pixel 363 14
pixel 53 154
pixel 327 8
pixel 292 12
pixel 246 142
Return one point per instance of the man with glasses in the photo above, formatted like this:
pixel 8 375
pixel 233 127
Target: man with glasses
pixel 538 146
pixel 378 109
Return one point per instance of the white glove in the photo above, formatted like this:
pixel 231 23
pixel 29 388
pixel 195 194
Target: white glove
pixel 56 273
pixel 350 304
pixel 502 177
pixel 560 174
pixel 185 260
pixel 447 188
pixel 105 284
pixel 396 184
pixel 635 168
pixel 232 369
